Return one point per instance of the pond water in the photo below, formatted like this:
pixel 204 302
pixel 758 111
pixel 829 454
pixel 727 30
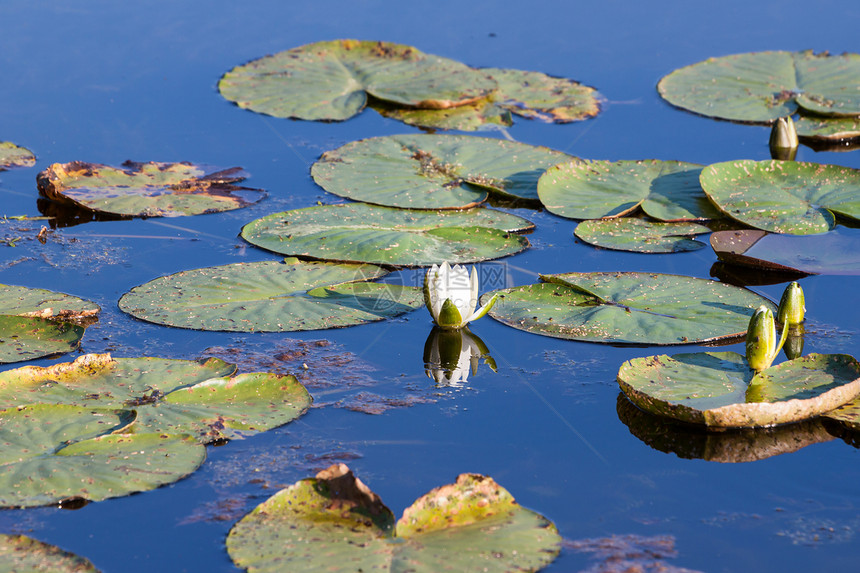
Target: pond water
pixel 104 81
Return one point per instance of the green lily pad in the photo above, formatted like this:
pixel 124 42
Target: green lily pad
pixel 532 95
pixel 12 156
pixel 789 197
pixel 629 234
pixel 764 86
pixel 169 396
pixel 666 190
pixel 51 453
pixel 332 80
pixel 719 390
pixel 628 307
pixel 739 446
pixel 20 553
pixel 334 522
pixel 433 171
pixel 822 128
pixel 270 296
pixel 24 301
pixel 27 338
pixel 359 232
pixel 146 189
pixel 833 253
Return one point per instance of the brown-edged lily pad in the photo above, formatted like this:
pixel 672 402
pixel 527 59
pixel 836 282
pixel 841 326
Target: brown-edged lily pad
pixel 19 553
pixel 12 156
pixel 146 189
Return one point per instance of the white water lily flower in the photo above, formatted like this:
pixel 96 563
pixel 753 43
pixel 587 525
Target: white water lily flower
pixel 451 295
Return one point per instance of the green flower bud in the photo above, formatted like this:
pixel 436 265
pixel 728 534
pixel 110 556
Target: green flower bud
pixel 792 306
pixel 761 339
pixel 784 134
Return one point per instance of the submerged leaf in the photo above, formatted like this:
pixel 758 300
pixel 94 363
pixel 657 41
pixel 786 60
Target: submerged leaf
pixel 433 171
pixel 270 297
pixel 381 235
pixel 332 80
pixel 630 234
pixel 146 189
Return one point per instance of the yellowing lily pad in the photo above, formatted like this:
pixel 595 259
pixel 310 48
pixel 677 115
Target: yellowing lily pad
pixel 719 390
pixel 359 232
pixel 146 189
pixel 665 190
pixel 639 236
pixel 332 80
pixel 334 522
pixel 789 197
pixel 628 307
pixel 19 553
pixel 12 156
pixel 271 297
pixel 433 171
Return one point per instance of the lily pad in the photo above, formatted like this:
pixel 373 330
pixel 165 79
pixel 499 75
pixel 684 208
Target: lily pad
pixel 833 253
pixel 12 156
pixel 332 80
pixel 169 396
pixel 51 453
pixel 719 390
pixel 270 296
pixel 146 189
pixel 28 338
pixel 433 171
pixel 789 197
pixel 628 307
pixel 334 522
pixel 816 127
pixel 24 301
pixel 848 415
pixel 20 553
pixel 666 190
pixel 359 232
pixel 639 236
pixel 764 86
pixel 532 95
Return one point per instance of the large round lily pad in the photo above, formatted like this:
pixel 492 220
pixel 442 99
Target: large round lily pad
pixel 146 189
pixel 332 80
pixel 433 171
pixel 628 307
pixel 382 235
pixel 790 197
pixel 640 236
pixel 719 390
pixel 532 95
pixel 833 253
pixel 19 553
pixel 335 523
pixel 270 296
pixel 51 453
pixel 12 156
pixel 764 86
pixel 666 190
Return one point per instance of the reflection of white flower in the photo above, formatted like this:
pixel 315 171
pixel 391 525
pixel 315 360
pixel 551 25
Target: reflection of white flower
pixel 451 295
pixel 450 355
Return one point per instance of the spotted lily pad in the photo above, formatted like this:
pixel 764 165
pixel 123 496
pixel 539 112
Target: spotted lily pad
pixel 51 453
pixel 433 171
pixel 719 390
pixel 146 189
pixel 637 235
pixel 628 307
pixel 12 156
pixel 665 190
pixel 823 128
pixel 332 80
pixel 833 253
pixel 789 197
pixel 764 86
pixel 169 396
pixel 334 522
pixel 24 301
pixel 359 232
pixel 270 297
pixel 532 95
pixel 20 553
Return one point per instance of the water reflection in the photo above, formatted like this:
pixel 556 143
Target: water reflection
pixel 736 446
pixel 451 355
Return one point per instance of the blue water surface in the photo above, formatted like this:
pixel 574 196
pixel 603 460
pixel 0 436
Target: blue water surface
pixel 104 82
